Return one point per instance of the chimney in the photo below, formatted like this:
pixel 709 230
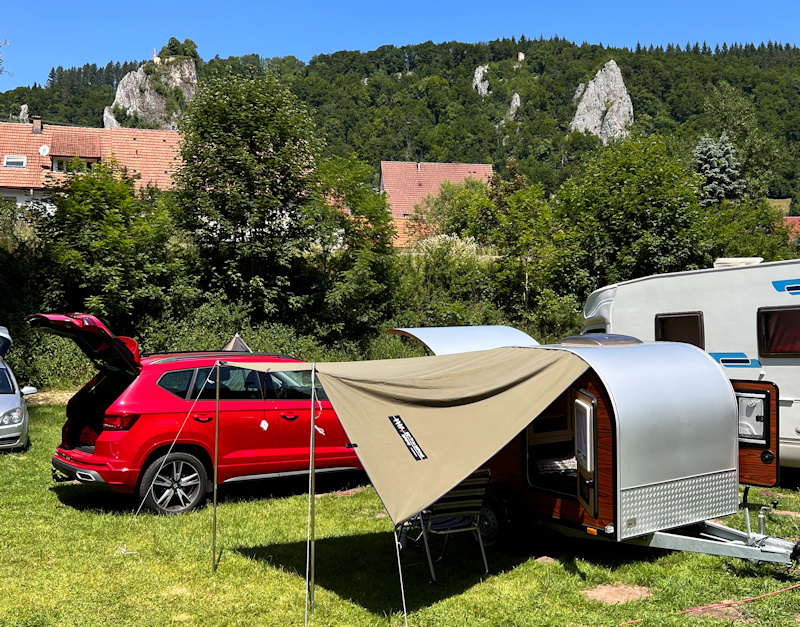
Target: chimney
pixel 37 124
pixel 417 166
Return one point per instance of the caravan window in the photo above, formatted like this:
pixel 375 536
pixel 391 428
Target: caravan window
pixel 686 327
pixel 779 331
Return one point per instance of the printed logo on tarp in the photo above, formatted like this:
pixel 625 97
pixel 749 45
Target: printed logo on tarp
pixel 411 443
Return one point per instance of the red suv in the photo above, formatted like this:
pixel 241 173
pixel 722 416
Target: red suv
pixel 121 424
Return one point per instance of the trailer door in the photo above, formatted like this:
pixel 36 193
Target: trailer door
pixel 758 432
pixel 584 411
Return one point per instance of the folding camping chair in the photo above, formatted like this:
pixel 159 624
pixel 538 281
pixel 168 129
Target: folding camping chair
pixel 458 510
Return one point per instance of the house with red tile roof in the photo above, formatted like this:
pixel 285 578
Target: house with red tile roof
pixel 407 184
pixel 31 154
pixel 793 222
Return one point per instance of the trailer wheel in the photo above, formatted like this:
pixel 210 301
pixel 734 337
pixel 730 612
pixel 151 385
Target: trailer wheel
pixel 494 523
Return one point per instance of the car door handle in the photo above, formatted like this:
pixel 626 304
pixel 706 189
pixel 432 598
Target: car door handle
pixel 203 417
pixel 290 416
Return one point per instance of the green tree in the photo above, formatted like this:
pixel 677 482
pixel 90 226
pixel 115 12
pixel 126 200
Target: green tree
pixel 23 270
pixel 175 48
pixel 730 112
pixel 445 281
pixel 750 228
pixel 249 156
pixel 108 249
pixel 637 211
pixel 458 209
pixel 351 265
pixel 717 164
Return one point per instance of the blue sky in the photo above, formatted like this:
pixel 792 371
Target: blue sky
pixel 48 34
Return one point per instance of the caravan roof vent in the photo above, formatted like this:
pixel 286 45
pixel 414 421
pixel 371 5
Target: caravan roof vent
pixel 600 339
pixel 730 262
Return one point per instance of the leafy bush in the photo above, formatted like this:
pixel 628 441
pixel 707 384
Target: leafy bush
pixel 49 362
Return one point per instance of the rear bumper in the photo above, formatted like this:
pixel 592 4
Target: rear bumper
pixel 98 474
pixel 81 474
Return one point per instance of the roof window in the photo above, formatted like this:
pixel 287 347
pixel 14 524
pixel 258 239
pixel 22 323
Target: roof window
pixel 15 161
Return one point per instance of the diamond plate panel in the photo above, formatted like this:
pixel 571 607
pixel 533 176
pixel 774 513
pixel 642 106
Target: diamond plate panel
pixel 674 503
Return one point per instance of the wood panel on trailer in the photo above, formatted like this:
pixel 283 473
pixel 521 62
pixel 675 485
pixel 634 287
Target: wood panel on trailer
pixel 509 466
pixel 759 463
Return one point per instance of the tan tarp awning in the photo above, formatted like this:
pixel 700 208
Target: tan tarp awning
pixel 421 425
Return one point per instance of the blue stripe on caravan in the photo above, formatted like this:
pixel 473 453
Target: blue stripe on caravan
pixel 736 360
pixel 792 286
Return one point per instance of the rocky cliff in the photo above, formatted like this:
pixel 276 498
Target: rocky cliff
pixel 605 108
pixel 154 93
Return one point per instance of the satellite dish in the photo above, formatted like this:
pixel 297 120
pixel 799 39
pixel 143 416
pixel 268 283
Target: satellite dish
pixel 44 150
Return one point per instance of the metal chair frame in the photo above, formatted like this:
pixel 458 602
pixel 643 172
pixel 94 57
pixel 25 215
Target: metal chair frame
pixel 456 511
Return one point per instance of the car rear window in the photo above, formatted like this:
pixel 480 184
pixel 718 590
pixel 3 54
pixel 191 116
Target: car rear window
pixel 177 382
pixel 6 387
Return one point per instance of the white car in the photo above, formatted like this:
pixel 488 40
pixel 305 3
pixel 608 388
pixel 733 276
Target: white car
pixel 13 411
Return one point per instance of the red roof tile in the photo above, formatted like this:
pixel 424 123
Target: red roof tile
pixel 149 153
pixel 69 142
pixel 407 183
pixel 793 222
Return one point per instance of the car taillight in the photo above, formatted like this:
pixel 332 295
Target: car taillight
pixel 119 422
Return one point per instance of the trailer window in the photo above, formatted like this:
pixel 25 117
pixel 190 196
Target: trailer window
pixel 686 327
pixel 584 434
pixel 753 417
pixel 779 331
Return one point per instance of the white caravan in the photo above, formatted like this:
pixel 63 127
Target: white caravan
pixel 745 314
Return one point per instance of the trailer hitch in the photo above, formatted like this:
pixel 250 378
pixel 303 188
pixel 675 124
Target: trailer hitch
pixel 59 477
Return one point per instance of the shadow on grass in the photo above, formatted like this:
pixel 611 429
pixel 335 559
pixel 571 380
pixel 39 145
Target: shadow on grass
pixel 90 498
pixel 363 568
pixel 87 498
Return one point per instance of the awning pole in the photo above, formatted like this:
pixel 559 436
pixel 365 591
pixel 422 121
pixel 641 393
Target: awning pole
pixel 216 456
pixel 312 488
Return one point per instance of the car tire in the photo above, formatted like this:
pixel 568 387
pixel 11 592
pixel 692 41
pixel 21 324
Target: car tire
pixel 174 484
pixel 494 525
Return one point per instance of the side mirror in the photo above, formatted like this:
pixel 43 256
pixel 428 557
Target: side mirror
pixel 28 390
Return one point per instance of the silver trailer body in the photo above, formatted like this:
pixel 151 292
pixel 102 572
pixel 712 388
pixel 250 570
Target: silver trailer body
pixel 676 430
pixel 676 421
pixel 450 340
pixel 728 312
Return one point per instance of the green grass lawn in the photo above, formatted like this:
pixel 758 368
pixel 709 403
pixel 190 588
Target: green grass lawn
pixel 60 564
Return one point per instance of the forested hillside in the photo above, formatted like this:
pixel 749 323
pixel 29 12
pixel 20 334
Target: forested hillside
pixel 417 102
pixel 74 96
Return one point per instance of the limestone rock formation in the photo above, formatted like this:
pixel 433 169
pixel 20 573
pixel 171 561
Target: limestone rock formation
pixel 480 82
pixel 145 93
pixel 605 108
pixel 515 104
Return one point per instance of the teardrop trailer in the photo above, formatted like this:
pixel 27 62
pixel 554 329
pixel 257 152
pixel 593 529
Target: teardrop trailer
pixel 603 437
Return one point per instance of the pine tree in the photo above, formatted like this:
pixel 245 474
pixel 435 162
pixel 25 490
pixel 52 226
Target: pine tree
pixel 718 165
